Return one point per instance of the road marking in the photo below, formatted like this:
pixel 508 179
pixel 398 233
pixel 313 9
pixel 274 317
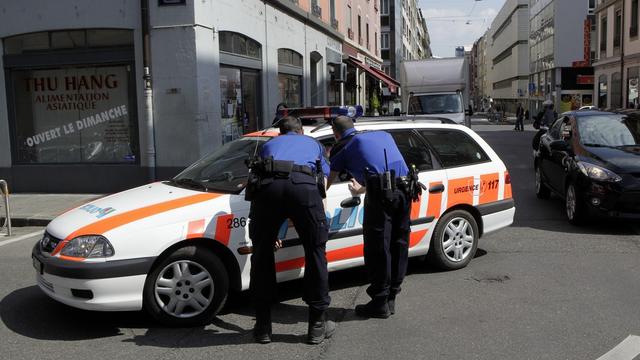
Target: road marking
pixel 22 237
pixel 628 349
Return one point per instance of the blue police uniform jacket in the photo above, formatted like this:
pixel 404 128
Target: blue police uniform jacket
pixel 301 149
pixel 366 150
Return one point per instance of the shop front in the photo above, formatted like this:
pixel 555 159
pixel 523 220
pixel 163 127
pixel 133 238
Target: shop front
pixel 240 85
pixel 71 99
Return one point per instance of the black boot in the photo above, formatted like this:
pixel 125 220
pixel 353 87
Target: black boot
pixel 319 327
pixel 391 302
pixel 262 330
pixel 376 308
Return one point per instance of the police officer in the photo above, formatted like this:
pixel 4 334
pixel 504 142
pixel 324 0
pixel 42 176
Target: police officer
pixel 289 189
pixel 377 167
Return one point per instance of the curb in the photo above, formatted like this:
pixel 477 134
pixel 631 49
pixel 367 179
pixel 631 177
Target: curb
pixel 22 222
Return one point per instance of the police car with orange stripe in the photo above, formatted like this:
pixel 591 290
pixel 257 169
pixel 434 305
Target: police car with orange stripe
pixel 176 248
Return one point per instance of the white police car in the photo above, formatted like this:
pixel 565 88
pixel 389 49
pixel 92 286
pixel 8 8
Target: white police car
pixel 176 248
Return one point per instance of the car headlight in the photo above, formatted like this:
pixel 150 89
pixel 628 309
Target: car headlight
pixel 89 246
pixel 596 172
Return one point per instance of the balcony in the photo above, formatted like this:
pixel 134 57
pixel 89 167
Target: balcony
pixel 316 10
pixel 334 23
pixel 350 34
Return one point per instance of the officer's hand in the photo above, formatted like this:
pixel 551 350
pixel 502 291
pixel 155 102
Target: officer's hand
pixel 356 188
pixel 277 245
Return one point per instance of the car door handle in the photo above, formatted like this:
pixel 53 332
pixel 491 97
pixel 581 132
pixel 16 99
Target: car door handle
pixel 436 189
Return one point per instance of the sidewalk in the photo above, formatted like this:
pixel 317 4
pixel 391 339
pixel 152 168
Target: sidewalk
pixel 40 209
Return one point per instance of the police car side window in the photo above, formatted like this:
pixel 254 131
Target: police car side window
pixel 413 150
pixel 455 148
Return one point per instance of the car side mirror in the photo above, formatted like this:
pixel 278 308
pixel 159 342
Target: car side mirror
pixel 559 145
pixel 350 202
pixel 566 132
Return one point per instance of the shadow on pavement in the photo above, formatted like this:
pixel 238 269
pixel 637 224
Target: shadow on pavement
pixel 514 148
pixel 31 313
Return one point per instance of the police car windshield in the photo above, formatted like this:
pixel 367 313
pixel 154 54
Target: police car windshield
pixel 224 170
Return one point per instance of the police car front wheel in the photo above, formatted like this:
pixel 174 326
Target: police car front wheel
pixel 187 288
pixel 455 240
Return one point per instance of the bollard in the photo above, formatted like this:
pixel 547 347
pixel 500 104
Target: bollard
pixel 4 188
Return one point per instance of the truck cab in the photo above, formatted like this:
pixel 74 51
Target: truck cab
pixel 441 104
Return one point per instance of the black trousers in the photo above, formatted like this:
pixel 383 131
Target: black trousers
pixel 386 242
pixel 296 198
pixel 520 123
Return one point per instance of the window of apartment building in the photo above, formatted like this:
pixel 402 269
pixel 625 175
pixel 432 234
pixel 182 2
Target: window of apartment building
pixel 384 9
pixel 386 69
pixel 332 9
pixel 349 24
pixel 375 42
pixel 603 35
pixel 632 87
pixel 617 30
pixel 366 26
pixel 616 91
pixel 384 41
pixel 359 29
pixel 633 29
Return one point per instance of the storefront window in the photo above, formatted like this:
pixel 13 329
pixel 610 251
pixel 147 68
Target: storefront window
pixel 68 113
pixel 290 77
pixel 616 94
pixel 602 91
pixel 632 87
pixel 239 86
pixel 74 115
pixel 290 87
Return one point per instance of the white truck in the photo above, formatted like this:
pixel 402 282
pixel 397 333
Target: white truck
pixel 436 87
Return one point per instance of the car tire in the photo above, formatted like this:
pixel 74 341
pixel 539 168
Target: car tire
pixel 454 244
pixel 542 191
pixel 186 288
pixel 574 206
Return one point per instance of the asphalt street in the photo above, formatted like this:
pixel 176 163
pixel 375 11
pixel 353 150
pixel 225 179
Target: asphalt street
pixel 540 289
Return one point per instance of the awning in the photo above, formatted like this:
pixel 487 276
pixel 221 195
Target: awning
pixel 391 83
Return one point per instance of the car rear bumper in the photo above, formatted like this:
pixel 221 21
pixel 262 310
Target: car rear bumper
pixel 497 215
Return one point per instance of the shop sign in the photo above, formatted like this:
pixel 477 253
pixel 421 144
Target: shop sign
pixel 369 61
pixel 73 115
pixel 584 80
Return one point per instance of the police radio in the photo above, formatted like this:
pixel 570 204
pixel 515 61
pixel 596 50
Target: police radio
pixel 388 181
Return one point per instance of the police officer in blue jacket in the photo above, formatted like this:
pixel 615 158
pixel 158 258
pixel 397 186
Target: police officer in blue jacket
pixel 378 168
pixel 290 188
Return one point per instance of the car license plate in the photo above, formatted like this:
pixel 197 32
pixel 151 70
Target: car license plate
pixel 37 265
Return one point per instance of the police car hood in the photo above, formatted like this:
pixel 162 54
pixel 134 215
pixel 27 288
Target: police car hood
pixel 132 206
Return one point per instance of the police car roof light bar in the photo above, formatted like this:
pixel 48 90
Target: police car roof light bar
pixel 326 112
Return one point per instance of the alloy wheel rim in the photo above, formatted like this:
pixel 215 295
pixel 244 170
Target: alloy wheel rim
pixel 184 289
pixel 457 240
pixel 571 202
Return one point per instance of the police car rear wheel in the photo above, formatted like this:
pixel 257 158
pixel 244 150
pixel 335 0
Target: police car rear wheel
pixel 187 288
pixel 455 241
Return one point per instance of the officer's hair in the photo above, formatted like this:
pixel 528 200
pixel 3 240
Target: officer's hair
pixel 341 124
pixel 290 123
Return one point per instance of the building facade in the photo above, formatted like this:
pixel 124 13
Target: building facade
pixel 75 112
pixel 508 55
pixel 404 36
pixel 481 94
pixel 618 54
pixel 560 54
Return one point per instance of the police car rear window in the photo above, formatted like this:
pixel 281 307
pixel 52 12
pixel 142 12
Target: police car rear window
pixel 455 148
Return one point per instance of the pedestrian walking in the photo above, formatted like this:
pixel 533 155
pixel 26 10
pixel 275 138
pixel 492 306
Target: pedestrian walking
pixel 377 167
pixel 519 118
pixel 287 181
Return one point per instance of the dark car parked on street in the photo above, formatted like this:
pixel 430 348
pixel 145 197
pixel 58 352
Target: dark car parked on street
pixel 592 160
